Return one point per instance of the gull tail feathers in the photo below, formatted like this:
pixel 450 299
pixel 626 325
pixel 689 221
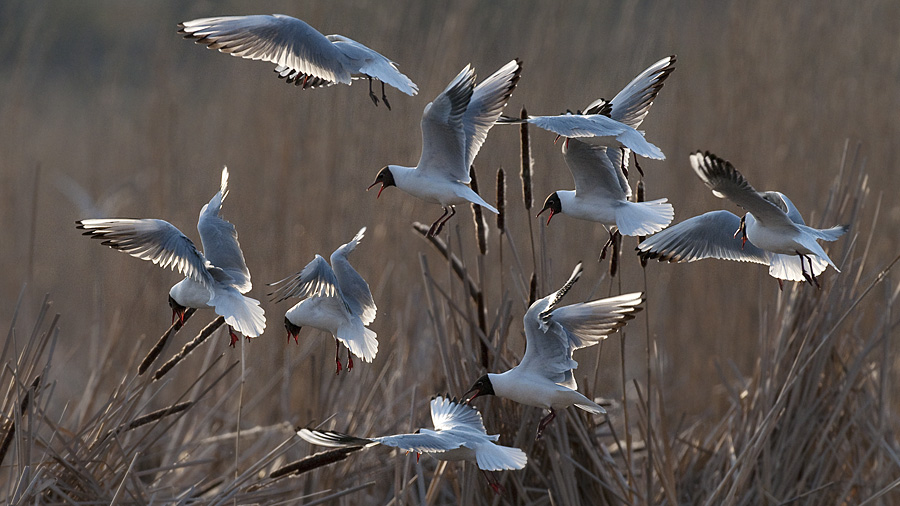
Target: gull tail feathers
pixel 492 457
pixel 242 313
pixel 644 218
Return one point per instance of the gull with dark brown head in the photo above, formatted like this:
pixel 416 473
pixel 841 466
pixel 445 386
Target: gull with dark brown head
pixel 454 126
pixel 458 434
pixel 545 377
pixel 772 231
pixel 336 299
pixel 215 278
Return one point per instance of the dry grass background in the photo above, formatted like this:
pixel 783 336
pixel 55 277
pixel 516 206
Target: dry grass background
pixel 105 98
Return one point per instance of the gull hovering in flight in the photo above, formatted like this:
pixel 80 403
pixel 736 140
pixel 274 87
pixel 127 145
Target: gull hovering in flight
pixel 454 126
pixel 458 434
pixel 215 278
pixel 613 123
pixel 545 377
pixel 336 300
pixel 302 54
pixel 772 231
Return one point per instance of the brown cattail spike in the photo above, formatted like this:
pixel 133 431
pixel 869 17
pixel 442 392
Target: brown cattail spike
pixel 527 163
pixel 532 290
pixel 481 229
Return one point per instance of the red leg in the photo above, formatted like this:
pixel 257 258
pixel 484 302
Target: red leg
pixel 337 356
pixel 433 231
pixel 349 360
pixel 493 482
pixel 441 225
pixel 234 338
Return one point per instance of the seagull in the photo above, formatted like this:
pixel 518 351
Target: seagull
pixel 601 193
pixel 458 434
pixel 612 123
pixel 302 54
pixel 545 377
pixel 215 278
pixel 336 300
pixel 454 126
pixel 772 231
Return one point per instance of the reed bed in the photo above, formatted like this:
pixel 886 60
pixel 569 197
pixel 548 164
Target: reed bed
pixel 725 390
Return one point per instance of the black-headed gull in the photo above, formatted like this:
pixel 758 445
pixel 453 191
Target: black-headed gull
pixel 772 225
pixel 458 434
pixel 545 377
pixel 454 126
pixel 215 278
pixel 302 54
pixel 336 300
pixel 613 123
pixel 601 192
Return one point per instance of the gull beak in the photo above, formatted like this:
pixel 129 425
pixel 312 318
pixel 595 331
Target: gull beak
pixel 471 394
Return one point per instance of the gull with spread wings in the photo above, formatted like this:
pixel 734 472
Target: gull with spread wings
pixel 454 126
pixel 302 55
pixel 545 377
pixel 336 300
pixel 215 278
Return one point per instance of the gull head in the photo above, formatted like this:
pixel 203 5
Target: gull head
pixel 177 310
pixel 292 330
pixel 552 203
pixel 385 177
pixel 482 386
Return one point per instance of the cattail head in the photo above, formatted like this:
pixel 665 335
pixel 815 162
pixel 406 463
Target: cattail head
pixel 532 289
pixel 501 200
pixel 527 163
pixel 481 229
pixel 616 241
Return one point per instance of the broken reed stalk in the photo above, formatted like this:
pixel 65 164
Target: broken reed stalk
pixel 161 344
pixel 189 347
pixel 481 232
pixel 23 407
pixel 314 461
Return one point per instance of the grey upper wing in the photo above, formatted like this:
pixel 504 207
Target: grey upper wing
pixel 356 292
pixel 220 240
pixel 593 170
pixel 710 235
pixel 283 40
pixel 443 134
pixel 155 240
pixel 487 103
pixel 316 279
pixel 726 182
pixel 631 105
pixel 424 441
pixel 374 64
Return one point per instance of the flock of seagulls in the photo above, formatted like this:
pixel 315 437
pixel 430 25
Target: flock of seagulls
pixel 599 141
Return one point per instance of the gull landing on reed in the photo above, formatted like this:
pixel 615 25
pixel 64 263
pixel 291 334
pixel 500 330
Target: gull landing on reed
pixel 302 54
pixel 545 377
pixel 454 126
pixel 336 300
pixel 458 434
pixel 216 278
pixel 772 232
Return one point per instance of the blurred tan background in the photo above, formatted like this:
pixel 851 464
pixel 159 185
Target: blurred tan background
pixel 106 111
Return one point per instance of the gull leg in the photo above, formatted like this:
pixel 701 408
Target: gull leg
pixel 780 284
pixel 372 93
pixel 384 97
pixel 431 231
pixel 636 164
pixel 544 423
pixel 337 356
pixel 349 360
pixel 441 226
pixel 493 482
pixel 809 276
pixel 234 338
pixel 612 237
